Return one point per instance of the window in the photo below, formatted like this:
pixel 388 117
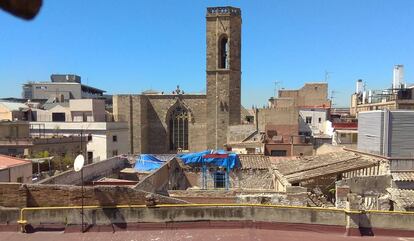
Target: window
pixel 90 157
pixel 89 137
pixel 58 117
pixel 319 120
pixel 178 129
pixel 223 53
pixel 114 138
pixel 115 153
pixel 278 152
pixel 219 180
pixel 20 180
pixel 308 119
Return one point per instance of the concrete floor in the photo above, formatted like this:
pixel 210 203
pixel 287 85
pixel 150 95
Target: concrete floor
pixel 239 234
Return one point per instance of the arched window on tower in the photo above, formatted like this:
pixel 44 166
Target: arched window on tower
pixel 224 53
pixel 178 128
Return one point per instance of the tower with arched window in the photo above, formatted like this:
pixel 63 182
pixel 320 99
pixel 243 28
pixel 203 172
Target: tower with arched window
pixel 174 121
pixel 223 72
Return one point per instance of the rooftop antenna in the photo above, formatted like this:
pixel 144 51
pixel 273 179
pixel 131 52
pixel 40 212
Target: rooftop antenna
pixel 277 88
pixel 333 92
pixel 327 75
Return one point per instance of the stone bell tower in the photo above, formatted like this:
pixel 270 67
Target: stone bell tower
pixel 223 73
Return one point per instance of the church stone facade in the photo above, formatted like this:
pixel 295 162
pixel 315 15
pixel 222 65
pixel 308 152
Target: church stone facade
pixel 167 123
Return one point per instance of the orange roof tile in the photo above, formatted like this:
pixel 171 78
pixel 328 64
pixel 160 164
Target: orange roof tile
pixel 8 161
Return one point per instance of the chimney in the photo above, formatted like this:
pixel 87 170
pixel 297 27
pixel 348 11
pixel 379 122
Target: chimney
pixel 359 86
pixel 398 77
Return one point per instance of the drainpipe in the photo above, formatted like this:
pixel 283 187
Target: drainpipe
pixel 385 148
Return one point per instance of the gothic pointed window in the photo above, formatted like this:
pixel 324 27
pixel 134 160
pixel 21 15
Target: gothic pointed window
pixel 178 128
pixel 224 53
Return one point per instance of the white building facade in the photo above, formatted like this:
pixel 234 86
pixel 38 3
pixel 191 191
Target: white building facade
pixel 312 121
pixel 105 139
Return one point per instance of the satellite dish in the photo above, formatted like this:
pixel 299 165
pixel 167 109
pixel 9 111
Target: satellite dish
pixel 78 164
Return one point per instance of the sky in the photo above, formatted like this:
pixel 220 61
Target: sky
pixel 130 46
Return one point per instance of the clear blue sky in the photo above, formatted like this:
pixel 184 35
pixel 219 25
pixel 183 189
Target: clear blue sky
pixel 130 46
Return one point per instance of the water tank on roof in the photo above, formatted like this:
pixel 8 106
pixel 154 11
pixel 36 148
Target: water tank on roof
pixel 359 86
pixel 65 78
pixel 398 77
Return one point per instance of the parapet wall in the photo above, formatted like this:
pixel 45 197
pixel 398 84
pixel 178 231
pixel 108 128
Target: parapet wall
pixel 354 223
pixel 90 172
pixel 168 216
pixel 125 216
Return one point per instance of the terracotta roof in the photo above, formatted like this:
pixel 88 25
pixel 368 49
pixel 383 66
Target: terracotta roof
pixel 8 161
pixel 307 168
pixel 253 161
pixel 345 125
pixel 403 176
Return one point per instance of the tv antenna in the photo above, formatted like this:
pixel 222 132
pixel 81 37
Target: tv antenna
pixel 277 88
pixel 327 75
pixel 333 96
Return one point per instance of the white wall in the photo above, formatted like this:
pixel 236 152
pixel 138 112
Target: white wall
pixel 101 145
pixel 24 171
pixel 98 146
pixel 315 126
pixel 94 109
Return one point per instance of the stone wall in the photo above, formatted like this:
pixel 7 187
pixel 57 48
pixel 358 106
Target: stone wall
pixel 158 119
pixel 147 117
pixel 310 95
pixel 90 172
pixel 52 195
pixel 284 120
pixel 34 195
pixel 367 184
pixel 223 84
pixel 12 195
pixel 133 110
pixel 239 133
pixel 170 176
pixel 204 196
pixel 371 190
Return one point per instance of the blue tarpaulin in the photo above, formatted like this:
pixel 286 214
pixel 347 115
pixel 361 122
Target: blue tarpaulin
pixel 231 161
pixel 146 162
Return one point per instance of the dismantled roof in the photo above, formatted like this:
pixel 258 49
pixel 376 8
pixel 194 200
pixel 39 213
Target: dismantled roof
pixel 402 197
pixel 321 165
